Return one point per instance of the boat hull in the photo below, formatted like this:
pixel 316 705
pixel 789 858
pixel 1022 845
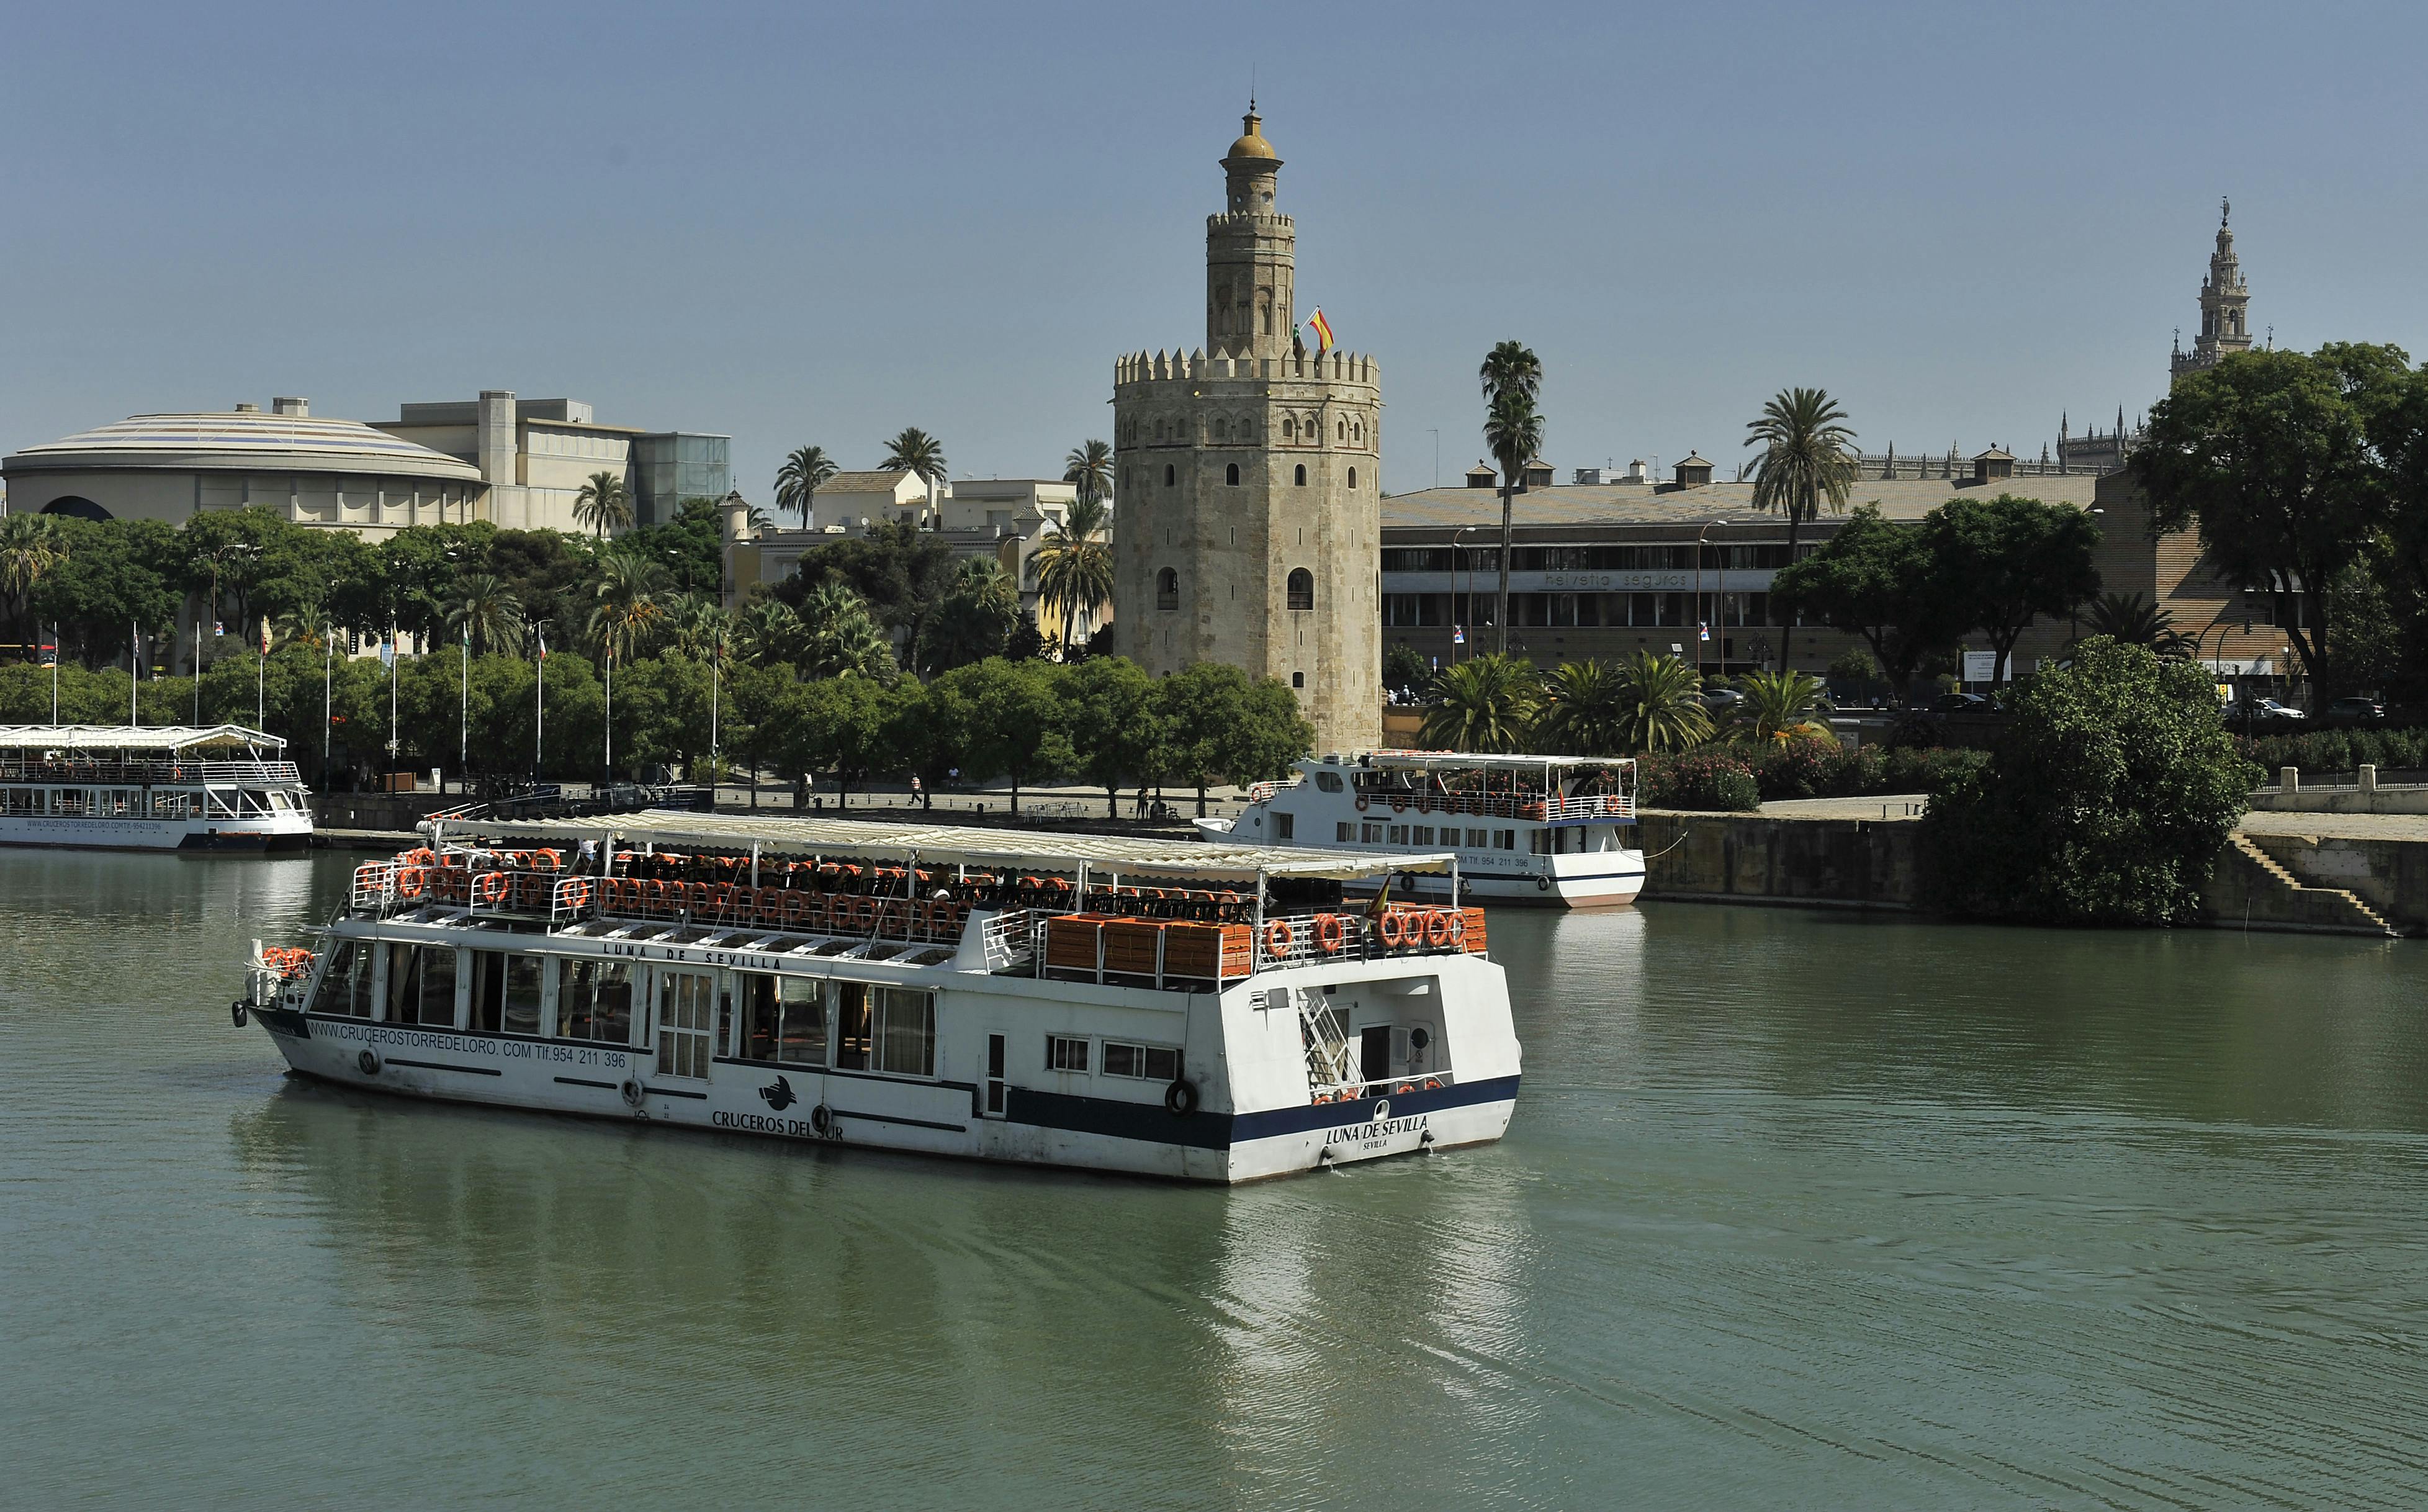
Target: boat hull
pixel 240 836
pixel 835 1108
pixel 1606 879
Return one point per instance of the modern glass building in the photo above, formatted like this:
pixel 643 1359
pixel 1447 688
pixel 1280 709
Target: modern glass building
pixel 673 465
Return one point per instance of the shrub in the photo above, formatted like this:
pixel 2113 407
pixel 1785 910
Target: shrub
pixel 1932 770
pixel 1856 772
pixel 2105 802
pixel 1797 768
pixel 1708 777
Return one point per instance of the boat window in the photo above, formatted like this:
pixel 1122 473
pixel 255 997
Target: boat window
pixel 1155 1062
pixel 67 800
pixel 1477 840
pixel 1284 825
pixel 505 993
pixel 1421 835
pixel 1065 1053
pixel 852 1026
pixel 906 1031
pixel 683 1023
pixel 488 1005
pixel 24 801
pixel 1370 833
pixel 1327 782
pixel 171 805
pixel 422 985
pixel 1344 831
pixel 1504 839
pixel 346 986
pixel 1539 841
pixel 594 1001
pixel 1399 834
pixel 784 1019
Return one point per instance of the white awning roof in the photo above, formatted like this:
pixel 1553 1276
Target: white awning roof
pixel 1439 761
pixel 942 844
pixel 131 737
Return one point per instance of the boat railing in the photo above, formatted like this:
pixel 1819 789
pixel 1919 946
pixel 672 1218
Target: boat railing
pixel 1592 806
pixel 1011 941
pixel 374 890
pixel 79 771
pixel 1309 938
pixel 1259 792
pixel 1536 806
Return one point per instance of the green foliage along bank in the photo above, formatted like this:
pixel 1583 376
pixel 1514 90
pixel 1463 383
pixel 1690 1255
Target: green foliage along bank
pixel 2105 802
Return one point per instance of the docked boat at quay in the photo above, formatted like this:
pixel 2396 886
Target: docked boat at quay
pixel 167 787
pixel 1549 830
pixel 1214 1012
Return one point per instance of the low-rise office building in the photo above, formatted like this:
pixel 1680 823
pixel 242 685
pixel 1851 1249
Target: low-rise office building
pixel 536 454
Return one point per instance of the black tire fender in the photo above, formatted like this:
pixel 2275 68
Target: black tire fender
pixel 1180 1098
pixel 632 1092
pixel 821 1120
pixel 1542 884
pixel 237 1013
pixel 369 1063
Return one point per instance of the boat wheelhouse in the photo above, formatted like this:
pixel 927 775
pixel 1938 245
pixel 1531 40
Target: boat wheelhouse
pixel 1212 1013
pixel 135 787
pixel 1525 828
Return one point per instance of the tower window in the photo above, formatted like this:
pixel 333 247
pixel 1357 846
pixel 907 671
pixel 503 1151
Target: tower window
pixel 1353 477
pixel 1302 474
pixel 1167 590
pixel 1301 588
pixel 1218 430
pixel 1170 476
pixel 1340 430
pixel 1298 680
pixel 1231 476
pixel 1289 429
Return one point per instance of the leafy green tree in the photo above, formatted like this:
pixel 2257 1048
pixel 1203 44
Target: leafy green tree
pixel 840 639
pixel 841 726
pixel 1220 725
pixel 1403 668
pixel 974 621
pixel 689 546
pixel 1486 703
pixel 486 613
pixel 1019 724
pixel 769 633
pixel 1854 664
pixel 603 504
pixel 2267 455
pixel 114 575
pixel 902 572
pixel 1116 728
pixel 805 470
pixel 916 451
pixel 1779 707
pixel 2105 802
pixel 1512 376
pixel 2009 561
pixel 1880 580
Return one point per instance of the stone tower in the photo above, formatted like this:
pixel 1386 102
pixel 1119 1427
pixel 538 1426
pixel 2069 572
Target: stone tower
pixel 2224 302
pixel 1251 506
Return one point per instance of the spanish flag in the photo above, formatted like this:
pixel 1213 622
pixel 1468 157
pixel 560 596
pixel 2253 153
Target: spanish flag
pixel 1322 329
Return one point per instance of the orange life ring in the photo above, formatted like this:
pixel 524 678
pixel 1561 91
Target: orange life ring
pixel 1330 933
pixel 489 887
pixel 1395 928
pixel 1433 1084
pixel 771 905
pixel 518 860
pixel 1398 803
pixel 1402 1088
pixel 1436 929
pixel 1457 926
pixel 1279 937
pixel 409 883
pixel 1361 802
pixel 576 893
pixel 418 858
pixel 555 860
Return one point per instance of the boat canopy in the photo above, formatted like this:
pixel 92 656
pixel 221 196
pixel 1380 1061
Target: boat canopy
pixel 1452 761
pixel 958 844
pixel 132 737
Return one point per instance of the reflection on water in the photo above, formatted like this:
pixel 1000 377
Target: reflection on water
pixel 1797 1209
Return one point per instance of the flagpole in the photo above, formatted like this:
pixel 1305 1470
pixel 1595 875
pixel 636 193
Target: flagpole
pixel 198 670
pixel 610 730
pixel 261 679
pixel 134 664
pixel 539 708
pixel 395 654
pixel 328 693
pixel 715 685
pixel 463 708
pixel 55 673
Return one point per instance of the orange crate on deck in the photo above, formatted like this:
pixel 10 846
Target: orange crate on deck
pixel 1071 941
pixel 1206 951
pixel 1474 931
pixel 1130 946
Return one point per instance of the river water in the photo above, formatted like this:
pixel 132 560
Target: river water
pixel 1797 1209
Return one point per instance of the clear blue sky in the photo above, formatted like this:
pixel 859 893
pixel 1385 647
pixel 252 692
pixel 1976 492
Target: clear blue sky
pixel 794 224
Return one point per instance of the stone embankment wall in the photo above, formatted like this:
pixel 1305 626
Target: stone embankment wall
pixel 2259 883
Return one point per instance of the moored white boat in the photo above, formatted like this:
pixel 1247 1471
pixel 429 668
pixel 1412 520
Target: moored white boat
pixel 132 787
pixel 1549 830
pixel 1208 1012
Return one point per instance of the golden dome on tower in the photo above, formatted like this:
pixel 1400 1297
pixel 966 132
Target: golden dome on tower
pixel 1252 142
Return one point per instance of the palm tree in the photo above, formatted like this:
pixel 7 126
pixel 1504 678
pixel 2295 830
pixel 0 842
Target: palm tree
pixel 1808 457
pixel 1072 567
pixel 802 475
pixel 2134 620
pixel 919 451
pixel 850 644
pixel 306 624
pixel 769 633
pixel 1662 704
pixel 1779 707
pixel 694 626
pixel 628 609
pixel 1484 704
pixel 972 619
pixel 30 547
pixel 1586 712
pixel 1512 376
pixel 1090 468
pixel 488 610
pixel 603 504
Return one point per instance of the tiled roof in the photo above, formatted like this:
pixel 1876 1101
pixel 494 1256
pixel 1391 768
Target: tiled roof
pixel 865 483
pixel 1635 503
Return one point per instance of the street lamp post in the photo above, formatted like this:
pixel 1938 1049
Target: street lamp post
pixel 1459 627
pixel 1703 625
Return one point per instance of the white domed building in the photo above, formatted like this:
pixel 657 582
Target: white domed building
pixel 315 471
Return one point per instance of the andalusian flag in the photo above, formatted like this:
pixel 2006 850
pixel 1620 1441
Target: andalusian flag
pixel 1322 329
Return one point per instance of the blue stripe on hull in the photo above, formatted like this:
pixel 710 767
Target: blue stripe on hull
pixel 1204 1130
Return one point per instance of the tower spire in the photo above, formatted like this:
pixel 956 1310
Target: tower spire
pixel 2224 304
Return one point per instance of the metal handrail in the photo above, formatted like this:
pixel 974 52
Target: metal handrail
pixel 78 772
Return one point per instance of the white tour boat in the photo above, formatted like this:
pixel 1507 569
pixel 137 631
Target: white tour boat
pixel 134 787
pixel 1526 829
pixel 1167 1007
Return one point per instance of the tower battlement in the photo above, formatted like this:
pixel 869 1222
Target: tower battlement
pixel 1250 221
pixel 1196 366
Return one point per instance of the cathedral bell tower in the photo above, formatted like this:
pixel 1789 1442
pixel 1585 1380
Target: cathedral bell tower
pixel 2224 304
pixel 1251 518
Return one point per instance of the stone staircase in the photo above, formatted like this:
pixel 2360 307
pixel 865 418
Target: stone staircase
pixel 2253 884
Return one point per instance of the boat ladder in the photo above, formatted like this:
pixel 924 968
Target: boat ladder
pixel 1326 1043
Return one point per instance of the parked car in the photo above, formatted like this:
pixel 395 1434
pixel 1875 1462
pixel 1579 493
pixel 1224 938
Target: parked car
pixel 2365 709
pixel 1961 703
pixel 1720 703
pixel 2266 711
